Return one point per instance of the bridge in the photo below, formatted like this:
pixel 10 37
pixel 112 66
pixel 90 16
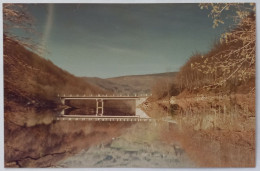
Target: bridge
pixel 100 102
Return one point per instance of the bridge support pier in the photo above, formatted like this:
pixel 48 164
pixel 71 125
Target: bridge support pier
pixel 100 106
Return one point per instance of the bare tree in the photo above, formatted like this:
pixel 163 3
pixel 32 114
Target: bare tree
pixel 16 16
pixel 236 57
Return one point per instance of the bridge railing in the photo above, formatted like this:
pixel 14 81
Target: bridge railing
pixel 103 95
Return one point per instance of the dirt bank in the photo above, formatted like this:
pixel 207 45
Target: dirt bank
pixel 33 139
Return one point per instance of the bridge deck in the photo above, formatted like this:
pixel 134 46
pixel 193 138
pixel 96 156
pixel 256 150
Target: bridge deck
pixel 103 118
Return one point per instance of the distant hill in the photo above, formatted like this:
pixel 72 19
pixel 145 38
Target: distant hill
pixel 131 84
pixel 31 80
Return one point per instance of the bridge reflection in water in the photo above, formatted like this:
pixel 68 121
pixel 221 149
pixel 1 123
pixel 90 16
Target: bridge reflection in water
pixel 101 114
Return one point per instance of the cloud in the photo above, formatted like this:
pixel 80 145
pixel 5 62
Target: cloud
pixel 48 26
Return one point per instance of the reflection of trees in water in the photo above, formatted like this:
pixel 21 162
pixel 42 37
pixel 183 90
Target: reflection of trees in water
pixel 30 117
pixel 141 145
pixel 214 133
pixel 42 145
pixel 214 148
pixel 221 128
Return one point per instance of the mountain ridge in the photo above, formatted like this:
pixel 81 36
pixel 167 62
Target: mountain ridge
pixel 131 84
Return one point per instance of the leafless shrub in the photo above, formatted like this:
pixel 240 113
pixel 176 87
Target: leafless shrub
pixel 236 57
pixel 16 16
pixel 231 61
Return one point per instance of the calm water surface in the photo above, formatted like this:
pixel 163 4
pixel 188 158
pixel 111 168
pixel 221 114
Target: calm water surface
pixel 35 139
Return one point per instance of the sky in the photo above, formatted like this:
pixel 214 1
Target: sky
pixel 110 40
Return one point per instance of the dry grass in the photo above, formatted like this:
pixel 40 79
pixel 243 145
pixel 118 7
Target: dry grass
pixel 228 65
pixel 222 128
pixel 30 79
